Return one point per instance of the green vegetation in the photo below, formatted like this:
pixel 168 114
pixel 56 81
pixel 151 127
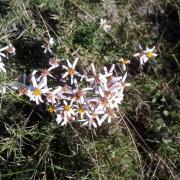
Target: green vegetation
pixel 144 141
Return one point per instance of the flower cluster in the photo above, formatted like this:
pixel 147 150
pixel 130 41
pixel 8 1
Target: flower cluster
pixel 89 99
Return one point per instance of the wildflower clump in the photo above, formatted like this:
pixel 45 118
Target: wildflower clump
pixel 89 99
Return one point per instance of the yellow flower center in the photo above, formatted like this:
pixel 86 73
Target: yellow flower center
pixel 124 61
pixel 109 78
pixel 150 54
pixel 81 110
pixel 51 109
pixel 67 108
pixel 71 71
pixel 37 92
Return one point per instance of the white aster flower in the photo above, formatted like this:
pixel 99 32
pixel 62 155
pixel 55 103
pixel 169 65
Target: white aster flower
pixel 119 86
pixel 47 46
pixel 45 73
pixel 109 114
pixel 123 84
pixel 71 71
pixel 104 25
pixel 66 115
pixel 78 95
pixel 98 78
pixel 145 55
pixel 150 52
pixel 82 110
pixel 54 62
pixel 92 119
pixel 37 90
pixel 56 95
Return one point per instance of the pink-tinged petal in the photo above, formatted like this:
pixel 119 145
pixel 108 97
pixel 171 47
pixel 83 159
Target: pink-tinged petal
pixel 87 89
pixel 90 79
pixel 94 124
pixel 34 72
pixel 101 92
pixel 71 79
pixel 75 81
pixel 39 78
pixel 45 90
pixel 59 118
pixel 112 68
pixel 109 119
pixel 154 54
pixel 49 49
pixel 136 54
pixel 124 67
pixel 153 48
pixel 4 48
pixel 103 119
pixel 82 100
pixel 40 99
pixel 88 115
pixel 45 51
pixel 65 75
pixel 93 69
pixel 65 67
pixel 69 64
pixel 147 50
pixel 140 47
pixel 64 102
pixel 105 70
pixel 3 55
pixel 65 121
pixel 75 62
pixel 85 123
pixel 127 84
pixel 51 76
pixel 43 82
pixel 124 77
pixel 49 69
pixel 33 79
pixel 37 100
pixel 106 75
pixel 145 59
pixel 141 61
